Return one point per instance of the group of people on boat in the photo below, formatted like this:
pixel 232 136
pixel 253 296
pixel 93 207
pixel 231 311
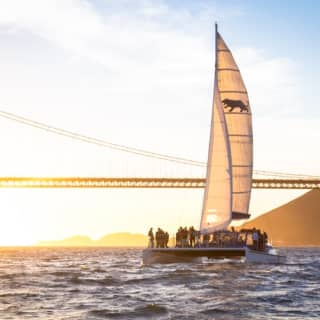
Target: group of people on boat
pixel 259 239
pixel 161 237
pixel 192 238
pixel 187 237
pixel 224 238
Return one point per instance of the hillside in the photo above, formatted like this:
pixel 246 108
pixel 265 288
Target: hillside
pixel 75 241
pixel 122 239
pixel 294 224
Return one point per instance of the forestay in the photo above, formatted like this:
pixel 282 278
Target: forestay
pixel 216 212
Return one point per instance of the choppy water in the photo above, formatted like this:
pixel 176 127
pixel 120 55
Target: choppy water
pixel 113 284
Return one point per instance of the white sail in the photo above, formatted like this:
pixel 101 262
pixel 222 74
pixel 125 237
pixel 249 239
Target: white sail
pixel 216 212
pixel 229 170
pixel 237 113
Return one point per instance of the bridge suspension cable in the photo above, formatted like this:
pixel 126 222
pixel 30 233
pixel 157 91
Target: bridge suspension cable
pixel 99 142
pixel 132 150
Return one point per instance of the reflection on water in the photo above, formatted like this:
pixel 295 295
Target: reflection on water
pixel 99 283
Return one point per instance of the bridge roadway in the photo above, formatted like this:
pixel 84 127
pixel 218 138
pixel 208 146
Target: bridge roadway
pixel 116 182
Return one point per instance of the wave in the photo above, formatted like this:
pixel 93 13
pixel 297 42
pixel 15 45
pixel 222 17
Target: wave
pixel 150 310
pixel 142 312
pixel 105 314
pixel 107 281
pixel 65 274
pixel 214 311
pixel 89 288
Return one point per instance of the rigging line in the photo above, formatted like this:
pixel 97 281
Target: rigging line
pixel 103 143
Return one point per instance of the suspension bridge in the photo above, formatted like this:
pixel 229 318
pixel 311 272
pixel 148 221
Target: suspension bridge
pixel 261 180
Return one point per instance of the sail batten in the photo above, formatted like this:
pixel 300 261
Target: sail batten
pixel 230 159
pixel 233 91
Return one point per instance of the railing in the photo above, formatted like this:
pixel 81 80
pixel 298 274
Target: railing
pixel 136 182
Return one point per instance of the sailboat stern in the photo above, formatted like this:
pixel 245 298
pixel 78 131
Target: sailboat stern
pixel 270 256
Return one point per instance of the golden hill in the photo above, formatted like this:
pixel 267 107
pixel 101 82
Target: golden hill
pixel 121 239
pixel 75 241
pixel 295 223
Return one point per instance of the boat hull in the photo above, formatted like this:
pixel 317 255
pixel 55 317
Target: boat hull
pixel 176 255
pixel 269 256
pixel 194 255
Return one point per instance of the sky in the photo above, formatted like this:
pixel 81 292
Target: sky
pixel 140 73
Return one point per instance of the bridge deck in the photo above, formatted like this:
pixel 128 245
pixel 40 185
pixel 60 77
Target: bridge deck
pixel 105 182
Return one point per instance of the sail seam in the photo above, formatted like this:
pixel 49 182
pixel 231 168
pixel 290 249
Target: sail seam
pixel 240 135
pixel 229 69
pixel 242 165
pixel 233 112
pixel 233 91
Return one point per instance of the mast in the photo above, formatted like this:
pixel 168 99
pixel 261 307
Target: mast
pixel 216 48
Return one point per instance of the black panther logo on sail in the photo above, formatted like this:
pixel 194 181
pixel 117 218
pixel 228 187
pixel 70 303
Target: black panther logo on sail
pixel 232 104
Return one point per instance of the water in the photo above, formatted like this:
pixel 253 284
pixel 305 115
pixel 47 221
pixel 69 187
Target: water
pixel 99 283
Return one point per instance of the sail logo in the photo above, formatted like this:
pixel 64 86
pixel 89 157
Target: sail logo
pixel 232 104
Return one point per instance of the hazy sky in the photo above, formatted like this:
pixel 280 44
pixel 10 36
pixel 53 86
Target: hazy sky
pixel 140 73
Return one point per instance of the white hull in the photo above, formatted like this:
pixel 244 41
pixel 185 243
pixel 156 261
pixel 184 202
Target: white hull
pixel 268 256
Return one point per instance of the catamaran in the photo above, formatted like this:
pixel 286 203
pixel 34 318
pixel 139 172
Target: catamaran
pixel 229 170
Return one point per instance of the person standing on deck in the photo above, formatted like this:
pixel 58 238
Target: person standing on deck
pixel 185 237
pixel 158 238
pixel 265 239
pixel 255 238
pixel 161 237
pixel 198 239
pixel 178 238
pixel 206 238
pixel 260 240
pixel 192 236
pixel 166 239
pixel 179 235
pixel 151 238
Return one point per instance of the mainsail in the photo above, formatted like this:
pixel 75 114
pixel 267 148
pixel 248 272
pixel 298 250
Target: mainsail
pixel 229 171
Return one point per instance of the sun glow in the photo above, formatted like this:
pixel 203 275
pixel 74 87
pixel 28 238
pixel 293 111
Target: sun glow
pixel 154 94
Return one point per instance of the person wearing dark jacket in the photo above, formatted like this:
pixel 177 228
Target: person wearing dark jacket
pixel 158 238
pixel 166 239
pixel 192 236
pixel 151 238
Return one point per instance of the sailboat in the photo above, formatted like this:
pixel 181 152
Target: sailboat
pixel 229 169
